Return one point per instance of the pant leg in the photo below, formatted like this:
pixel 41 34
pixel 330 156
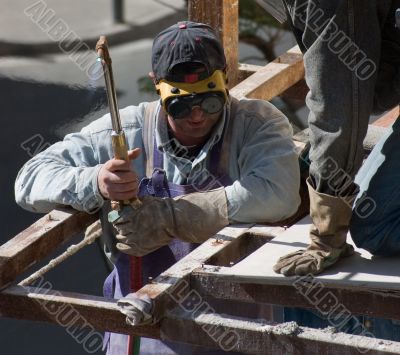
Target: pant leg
pixel 343 49
pixel 342 41
pixel 375 223
pixel 387 91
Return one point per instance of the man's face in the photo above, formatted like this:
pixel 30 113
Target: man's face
pixel 195 128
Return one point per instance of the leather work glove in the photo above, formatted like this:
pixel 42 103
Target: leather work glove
pixel 192 218
pixel 331 217
pixel 136 308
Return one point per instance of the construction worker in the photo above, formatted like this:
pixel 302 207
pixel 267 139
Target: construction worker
pixel 206 160
pixel 351 57
pixel 352 62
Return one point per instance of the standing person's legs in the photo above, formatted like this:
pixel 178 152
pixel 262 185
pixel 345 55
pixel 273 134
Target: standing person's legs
pixel 343 41
pixel 343 48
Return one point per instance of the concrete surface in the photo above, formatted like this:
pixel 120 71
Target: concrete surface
pixel 31 27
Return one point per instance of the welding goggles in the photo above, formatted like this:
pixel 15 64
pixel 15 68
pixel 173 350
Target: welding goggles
pixel 209 94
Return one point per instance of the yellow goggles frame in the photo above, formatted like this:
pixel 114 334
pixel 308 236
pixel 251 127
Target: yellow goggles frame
pixel 214 83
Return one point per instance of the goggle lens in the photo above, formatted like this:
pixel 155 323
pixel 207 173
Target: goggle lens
pixel 181 106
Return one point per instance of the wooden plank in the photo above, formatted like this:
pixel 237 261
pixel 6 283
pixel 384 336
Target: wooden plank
pixel 254 336
pixel 68 309
pixel 360 270
pixel 274 78
pixel 245 70
pixel 39 240
pixel 223 16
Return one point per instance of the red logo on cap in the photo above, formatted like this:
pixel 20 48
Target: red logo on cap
pixel 191 78
pixel 182 26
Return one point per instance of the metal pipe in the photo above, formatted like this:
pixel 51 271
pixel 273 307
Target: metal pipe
pixel 104 57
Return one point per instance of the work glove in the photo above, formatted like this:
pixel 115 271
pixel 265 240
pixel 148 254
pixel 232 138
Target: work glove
pixel 331 217
pixel 136 308
pixel 192 218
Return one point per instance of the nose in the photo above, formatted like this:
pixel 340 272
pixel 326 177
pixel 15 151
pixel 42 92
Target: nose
pixel 197 114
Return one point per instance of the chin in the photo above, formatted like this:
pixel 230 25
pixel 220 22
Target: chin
pixel 197 133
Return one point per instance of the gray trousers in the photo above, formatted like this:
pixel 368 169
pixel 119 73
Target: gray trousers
pixel 352 60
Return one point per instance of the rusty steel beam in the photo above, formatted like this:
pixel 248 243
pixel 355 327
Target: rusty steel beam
pixel 27 302
pixel 67 309
pixel 372 302
pixel 274 78
pixel 160 290
pixel 39 240
pixel 46 235
pixel 83 315
pixel 253 336
pixel 171 280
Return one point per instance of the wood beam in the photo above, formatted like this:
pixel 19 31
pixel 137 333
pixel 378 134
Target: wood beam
pixel 296 92
pixel 245 70
pixel 39 240
pixel 274 78
pixel 223 17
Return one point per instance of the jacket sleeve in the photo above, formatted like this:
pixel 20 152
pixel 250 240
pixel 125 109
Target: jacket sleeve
pixel 65 173
pixel 269 176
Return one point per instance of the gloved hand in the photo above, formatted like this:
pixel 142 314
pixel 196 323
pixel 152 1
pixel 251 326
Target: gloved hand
pixel 331 217
pixel 312 260
pixel 137 309
pixel 192 218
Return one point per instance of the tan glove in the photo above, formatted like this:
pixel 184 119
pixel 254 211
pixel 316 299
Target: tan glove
pixel 331 217
pixel 192 218
pixel 138 309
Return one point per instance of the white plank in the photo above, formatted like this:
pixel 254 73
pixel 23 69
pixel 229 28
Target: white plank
pixel 359 270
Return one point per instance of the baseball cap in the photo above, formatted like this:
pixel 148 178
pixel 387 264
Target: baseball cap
pixel 186 43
